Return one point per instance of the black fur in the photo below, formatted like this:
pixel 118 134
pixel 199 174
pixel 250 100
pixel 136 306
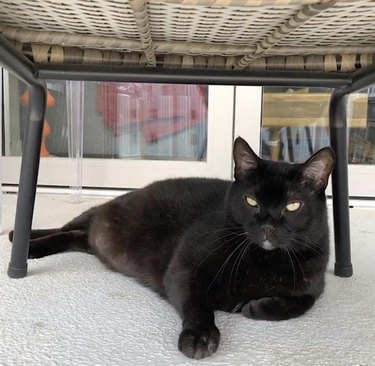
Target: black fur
pixel 207 244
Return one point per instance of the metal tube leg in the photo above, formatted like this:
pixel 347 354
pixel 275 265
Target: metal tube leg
pixel 340 196
pixel 28 179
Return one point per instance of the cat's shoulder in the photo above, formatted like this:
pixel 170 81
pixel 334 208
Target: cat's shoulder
pixel 186 192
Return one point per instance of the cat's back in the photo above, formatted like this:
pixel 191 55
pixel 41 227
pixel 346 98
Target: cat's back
pixel 160 210
pixel 187 190
pixel 181 198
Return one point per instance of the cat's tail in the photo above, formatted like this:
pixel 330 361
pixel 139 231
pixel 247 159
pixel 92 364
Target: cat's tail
pixel 71 237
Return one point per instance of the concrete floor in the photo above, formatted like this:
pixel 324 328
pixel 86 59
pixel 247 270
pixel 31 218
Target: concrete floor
pixel 71 310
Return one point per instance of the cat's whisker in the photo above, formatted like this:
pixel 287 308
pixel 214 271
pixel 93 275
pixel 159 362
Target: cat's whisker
pixel 209 244
pixel 294 271
pixel 234 233
pixel 298 261
pixel 213 251
pixel 227 242
pixel 238 258
pixel 223 266
pixel 226 228
pixel 247 246
pixel 227 235
pixel 320 250
pixel 314 243
pixel 309 244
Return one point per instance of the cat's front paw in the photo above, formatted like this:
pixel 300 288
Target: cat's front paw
pixel 278 308
pixel 199 344
pixel 266 308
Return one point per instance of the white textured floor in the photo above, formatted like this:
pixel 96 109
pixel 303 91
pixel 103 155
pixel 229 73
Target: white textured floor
pixel 70 310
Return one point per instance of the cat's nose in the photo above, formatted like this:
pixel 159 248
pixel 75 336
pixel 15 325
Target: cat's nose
pixel 267 230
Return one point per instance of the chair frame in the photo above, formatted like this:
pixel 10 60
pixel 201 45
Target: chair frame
pixel 35 77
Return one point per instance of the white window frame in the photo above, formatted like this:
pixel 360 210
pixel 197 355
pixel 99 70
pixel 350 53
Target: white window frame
pixel 248 114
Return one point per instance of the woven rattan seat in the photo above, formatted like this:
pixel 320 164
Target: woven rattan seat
pixel 328 35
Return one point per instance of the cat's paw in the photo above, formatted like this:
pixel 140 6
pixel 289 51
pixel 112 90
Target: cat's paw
pixel 266 308
pixel 199 344
pixel 278 308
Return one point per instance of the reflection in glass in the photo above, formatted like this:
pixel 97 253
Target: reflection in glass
pixel 121 120
pixel 295 124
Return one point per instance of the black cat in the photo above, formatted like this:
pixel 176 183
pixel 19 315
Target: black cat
pixel 258 245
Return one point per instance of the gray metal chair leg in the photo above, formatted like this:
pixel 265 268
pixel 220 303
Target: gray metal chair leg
pixel 28 180
pixel 340 192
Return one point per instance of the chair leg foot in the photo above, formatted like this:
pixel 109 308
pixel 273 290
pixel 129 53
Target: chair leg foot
pixel 14 272
pixel 343 271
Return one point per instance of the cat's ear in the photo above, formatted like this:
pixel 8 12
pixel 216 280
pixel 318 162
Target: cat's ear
pixel 316 170
pixel 245 160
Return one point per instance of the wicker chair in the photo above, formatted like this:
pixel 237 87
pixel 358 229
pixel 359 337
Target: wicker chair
pixel 326 43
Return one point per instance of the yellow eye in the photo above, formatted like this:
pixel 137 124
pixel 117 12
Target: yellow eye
pixel 293 206
pixel 251 201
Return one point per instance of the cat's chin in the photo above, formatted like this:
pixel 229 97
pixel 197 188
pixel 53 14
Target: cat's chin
pixel 267 245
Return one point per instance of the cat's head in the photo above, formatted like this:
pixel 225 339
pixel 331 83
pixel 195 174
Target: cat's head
pixel 280 205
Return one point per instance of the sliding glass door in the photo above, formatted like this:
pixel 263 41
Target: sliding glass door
pixel 290 124
pixel 133 133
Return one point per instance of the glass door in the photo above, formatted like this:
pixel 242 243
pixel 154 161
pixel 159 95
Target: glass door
pixel 133 133
pixel 290 124
pixel 361 147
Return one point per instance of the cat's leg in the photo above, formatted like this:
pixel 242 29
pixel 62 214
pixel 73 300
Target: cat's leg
pixel 34 234
pixel 58 243
pixel 199 337
pixel 278 308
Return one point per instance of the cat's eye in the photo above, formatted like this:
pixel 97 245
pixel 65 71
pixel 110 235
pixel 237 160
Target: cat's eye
pixel 251 201
pixel 292 206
